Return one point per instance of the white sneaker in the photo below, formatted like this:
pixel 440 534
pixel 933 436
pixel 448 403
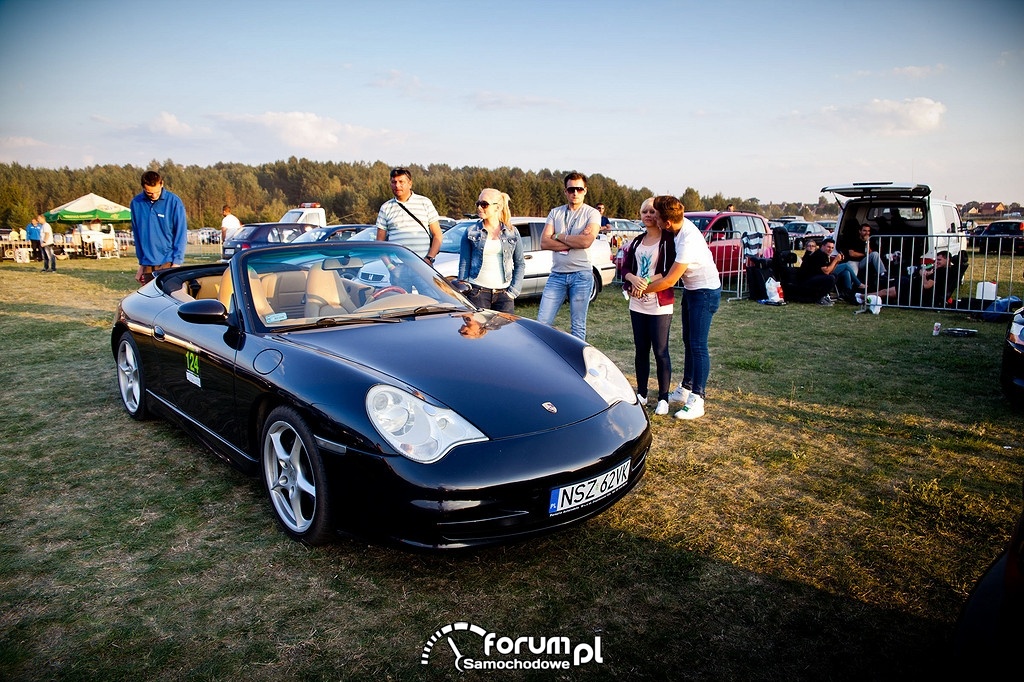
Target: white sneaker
pixel 642 399
pixel 662 407
pixel 693 408
pixel 680 395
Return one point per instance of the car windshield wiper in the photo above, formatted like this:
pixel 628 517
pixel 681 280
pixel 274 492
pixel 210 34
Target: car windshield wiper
pixel 423 310
pixel 325 322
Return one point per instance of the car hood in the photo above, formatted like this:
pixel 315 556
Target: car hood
pixel 499 381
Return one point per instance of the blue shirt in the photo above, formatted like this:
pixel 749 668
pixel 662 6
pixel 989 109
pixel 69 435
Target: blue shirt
pixel 32 232
pixel 160 229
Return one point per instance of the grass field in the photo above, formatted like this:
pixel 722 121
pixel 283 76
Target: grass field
pixel 854 475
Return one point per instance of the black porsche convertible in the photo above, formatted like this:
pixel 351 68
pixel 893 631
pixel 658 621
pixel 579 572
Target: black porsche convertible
pixel 403 415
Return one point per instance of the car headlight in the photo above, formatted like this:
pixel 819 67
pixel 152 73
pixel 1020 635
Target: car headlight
pixel 605 378
pixel 415 428
pixel 1016 333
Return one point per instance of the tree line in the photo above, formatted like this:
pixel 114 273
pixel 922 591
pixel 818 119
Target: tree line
pixel 350 192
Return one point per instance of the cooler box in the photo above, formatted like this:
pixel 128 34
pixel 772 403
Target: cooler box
pixel 986 291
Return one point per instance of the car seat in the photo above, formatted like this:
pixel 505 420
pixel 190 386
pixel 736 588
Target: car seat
pixel 783 260
pixel 328 293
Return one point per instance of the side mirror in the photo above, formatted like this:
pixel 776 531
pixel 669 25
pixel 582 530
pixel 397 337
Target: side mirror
pixel 205 311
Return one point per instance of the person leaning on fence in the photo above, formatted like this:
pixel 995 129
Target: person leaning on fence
pixel 159 227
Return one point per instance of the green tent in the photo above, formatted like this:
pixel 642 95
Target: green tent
pixel 88 208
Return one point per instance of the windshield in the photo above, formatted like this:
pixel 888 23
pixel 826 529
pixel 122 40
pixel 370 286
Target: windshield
pixel 700 221
pixel 244 233
pixel 451 240
pixel 306 285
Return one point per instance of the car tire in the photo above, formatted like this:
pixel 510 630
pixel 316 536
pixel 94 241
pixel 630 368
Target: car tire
pixel 595 290
pixel 295 478
pixel 131 379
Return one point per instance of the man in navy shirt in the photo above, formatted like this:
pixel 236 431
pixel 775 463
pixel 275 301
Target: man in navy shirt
pixel 159 227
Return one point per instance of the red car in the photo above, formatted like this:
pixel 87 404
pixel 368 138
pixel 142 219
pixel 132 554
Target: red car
pixel 724 232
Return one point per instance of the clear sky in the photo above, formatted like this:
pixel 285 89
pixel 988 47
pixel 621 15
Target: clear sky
pixel 756 99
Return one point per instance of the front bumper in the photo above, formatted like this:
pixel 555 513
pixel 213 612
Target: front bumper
pixel 488 493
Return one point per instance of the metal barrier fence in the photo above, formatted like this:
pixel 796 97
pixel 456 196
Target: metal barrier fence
pixel 979 270
pixel 983 269
pixel 73 246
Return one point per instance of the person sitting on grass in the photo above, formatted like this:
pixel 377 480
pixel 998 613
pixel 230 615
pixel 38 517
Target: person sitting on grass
pixel 929 288
pixel 847 282
pixel 814 278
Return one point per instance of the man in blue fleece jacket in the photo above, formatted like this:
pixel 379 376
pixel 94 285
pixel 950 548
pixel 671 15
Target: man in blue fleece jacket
pixel 159 227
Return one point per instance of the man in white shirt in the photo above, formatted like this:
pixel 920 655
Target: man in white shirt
pixel 229 224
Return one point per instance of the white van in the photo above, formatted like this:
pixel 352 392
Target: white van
pixel 904 217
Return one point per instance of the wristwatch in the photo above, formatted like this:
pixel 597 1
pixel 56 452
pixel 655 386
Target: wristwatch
pixel 429 258
pixel 557 239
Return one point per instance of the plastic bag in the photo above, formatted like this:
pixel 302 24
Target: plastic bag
pixel 774 290
pixel 999 310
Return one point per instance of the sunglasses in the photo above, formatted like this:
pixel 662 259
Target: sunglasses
pixel 575 189
pixel 400 171
pixel 483 204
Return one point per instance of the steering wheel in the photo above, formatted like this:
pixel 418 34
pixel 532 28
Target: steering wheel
pixel 387 290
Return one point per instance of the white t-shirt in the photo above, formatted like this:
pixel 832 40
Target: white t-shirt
pixel 229 225
pixel 691 249
pixel 646 261
pixel 491 275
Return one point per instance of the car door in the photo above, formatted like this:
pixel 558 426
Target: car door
pixel 724 242
pixel 196 370
pixel 538 260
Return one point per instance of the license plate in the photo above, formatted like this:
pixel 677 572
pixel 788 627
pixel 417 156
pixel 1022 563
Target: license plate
pixel 576 495
pixel 229 252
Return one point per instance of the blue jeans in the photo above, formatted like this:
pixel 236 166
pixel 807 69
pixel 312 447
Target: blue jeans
pixel 846 276
pixel 698 307
pixel 577 286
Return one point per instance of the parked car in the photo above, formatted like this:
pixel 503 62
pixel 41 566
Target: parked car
pixel 800 231
pixel 332 233
pixel 538 261
pixel 256 235
pixel 724 232
pixel 380 413
pixel 829 225
pixel 1001 236
pixel 990 628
